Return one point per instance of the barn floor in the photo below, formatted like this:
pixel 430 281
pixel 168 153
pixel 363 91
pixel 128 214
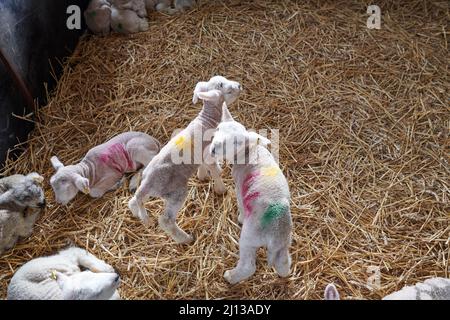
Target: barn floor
pixel 364 142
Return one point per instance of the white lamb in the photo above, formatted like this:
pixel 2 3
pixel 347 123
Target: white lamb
pixel 128 16
pixel 165 5
pixel 166 179
pixel 21 200
pixel 103 167
pixel 263 198
pixel 98 17
pixel 431 289
pixel 72 274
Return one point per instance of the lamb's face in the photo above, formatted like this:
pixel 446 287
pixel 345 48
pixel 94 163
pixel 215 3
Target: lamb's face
pixel 230 89
pixel 63 185
pixel 27 191
pixel 229 140
pixel 88 285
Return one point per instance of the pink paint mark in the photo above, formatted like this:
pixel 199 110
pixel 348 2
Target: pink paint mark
pixel 248 198
pixel 117 158
pixel 248 202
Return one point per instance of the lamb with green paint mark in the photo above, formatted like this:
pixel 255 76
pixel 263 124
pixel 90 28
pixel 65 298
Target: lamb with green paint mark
pixel 98 17
pixel 263 198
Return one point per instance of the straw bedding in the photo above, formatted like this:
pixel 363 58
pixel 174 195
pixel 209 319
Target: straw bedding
pixel 364 142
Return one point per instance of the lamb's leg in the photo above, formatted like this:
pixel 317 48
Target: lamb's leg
pixel 219 186
pixel 135 181
pixel 202 173
pixel 174 202
pixel 246 265
pixel 136 204
pixel 280 259
pixel 91 262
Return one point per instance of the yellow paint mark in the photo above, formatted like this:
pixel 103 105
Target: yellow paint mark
pixel 270 171
pixel 53 275
pixel 182 142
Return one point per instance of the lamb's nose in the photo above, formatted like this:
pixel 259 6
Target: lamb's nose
pixel 213 151
pixel 117 278
pixel 117 272
pixel 42 204
pixel 240 87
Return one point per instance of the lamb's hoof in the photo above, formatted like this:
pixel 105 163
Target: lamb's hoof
pixel 220 190
pixel 229 275
pixel 133 190
pixel 240 219
pixel 185 239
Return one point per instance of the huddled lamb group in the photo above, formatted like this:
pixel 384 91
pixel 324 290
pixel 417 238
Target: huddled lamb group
pixel 262 192
pixel 127 16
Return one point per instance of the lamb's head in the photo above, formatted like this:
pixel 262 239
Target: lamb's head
pixel 66 182
pixel 331 292
pixel 87 285
pixel 229 89
pixel 231 139
pixel 26 191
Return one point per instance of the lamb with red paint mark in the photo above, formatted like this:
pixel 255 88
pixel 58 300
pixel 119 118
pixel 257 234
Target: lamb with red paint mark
pixel 263 198
pixel 104 166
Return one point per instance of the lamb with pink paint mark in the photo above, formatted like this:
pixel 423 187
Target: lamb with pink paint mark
pixel 166 178
pixel 263 198
pixel 104 166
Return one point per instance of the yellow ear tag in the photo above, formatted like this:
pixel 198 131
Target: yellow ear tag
pixel 53 275
pixel 86 190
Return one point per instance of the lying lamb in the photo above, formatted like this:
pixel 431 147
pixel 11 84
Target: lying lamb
pixel 263 198
pixel 104 166
pixel 431 289
pixel 98 17
pixel 128 16
pixel 21 200
pixel 165 5
pixel 72 274
pixel 168 180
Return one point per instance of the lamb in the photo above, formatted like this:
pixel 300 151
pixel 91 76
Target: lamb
pixel 128 16
pixel 165 5
pixel 71 274
pixel 263 198
pixel 98 17
pixel 431 289
pixel 21 200
pixel 103 167
pixel 168 180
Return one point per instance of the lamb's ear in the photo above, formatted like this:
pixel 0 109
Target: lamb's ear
pixel 200 87
pixel 82 184
pixel 209 95
pixel 255 138
pixel 56 163
pixel 331 292
pixel 36 178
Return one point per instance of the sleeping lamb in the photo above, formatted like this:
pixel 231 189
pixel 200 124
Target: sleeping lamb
pixel 263 198
pixel 104 166
pixel 72 274
pixel 21 200
pixel 165 178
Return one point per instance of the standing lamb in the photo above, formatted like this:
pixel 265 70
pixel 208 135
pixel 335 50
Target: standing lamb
pixel 128 16
pixel 72 274
pixel 263 198
pixel 21 200
pixel 98 17
pixel 104 166
pixel 431 289
pixel 168 180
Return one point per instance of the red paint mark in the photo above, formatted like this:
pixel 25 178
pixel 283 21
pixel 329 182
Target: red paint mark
pixel 248 198
pixel 117 158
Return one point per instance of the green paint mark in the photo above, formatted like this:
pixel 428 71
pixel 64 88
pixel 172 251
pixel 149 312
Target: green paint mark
pixel 120 26
pixel 274 211
pixel 92 13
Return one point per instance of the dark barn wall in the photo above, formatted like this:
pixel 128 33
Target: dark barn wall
pixel 34 37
